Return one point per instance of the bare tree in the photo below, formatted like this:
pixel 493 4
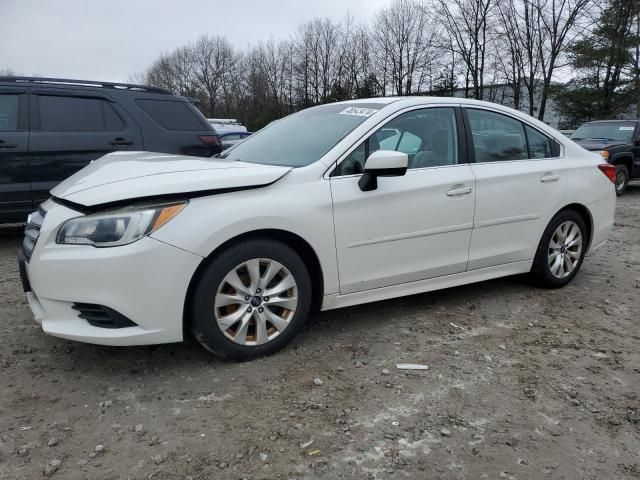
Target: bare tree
pixel 405 44
pixel 559 23
pixel 468 23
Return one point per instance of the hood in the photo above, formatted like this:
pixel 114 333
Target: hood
pixel 594 145
pixel 122 176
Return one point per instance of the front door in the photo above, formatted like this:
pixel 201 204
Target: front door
pixel 411 227
pixel 15 195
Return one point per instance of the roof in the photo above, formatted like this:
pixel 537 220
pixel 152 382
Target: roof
pixel 84 83
pixel 615 120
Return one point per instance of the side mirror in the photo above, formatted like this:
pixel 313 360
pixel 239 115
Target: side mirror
pixel 382 163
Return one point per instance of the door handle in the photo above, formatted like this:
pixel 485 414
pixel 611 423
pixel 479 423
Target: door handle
pixel 549 177
pixel 7 145
pixel 459 191
pixel 120 141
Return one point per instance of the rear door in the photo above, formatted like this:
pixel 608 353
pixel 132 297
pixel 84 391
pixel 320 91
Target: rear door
pixel 520 184
pixel 15 196
pixel 69 129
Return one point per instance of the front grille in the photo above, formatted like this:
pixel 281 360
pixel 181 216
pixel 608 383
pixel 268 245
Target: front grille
pixel 101 316
pixel 32 232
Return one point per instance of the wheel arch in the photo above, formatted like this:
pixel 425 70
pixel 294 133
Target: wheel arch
pixel 299 244
pixel 623 158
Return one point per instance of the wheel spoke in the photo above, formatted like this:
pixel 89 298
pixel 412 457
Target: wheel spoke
pixel 234 280
pixel 272 270
pixel 290 303
pixel 277 321
pixel 261 328
pixel 572 233
pixel 224 299
pixel 568 265
pixel 575 242
pixel 241 333
pixel 285 284
pixel 556 265
pixel 574 255
pixel 253 269
pixel 231 319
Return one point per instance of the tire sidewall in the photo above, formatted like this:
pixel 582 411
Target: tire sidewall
pixel 541 269
pixel 202 321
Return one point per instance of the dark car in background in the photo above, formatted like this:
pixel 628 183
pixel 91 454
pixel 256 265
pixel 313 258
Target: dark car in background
pixel 618 141
pixel 51 128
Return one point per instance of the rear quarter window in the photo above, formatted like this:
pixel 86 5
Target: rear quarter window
pixel 172 115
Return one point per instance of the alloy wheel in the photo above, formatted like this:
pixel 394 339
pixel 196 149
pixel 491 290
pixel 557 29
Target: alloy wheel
pixel 565 249
pixel 256 301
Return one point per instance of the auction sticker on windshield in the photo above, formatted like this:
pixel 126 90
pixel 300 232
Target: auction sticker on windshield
pixel 360 112
pixel 626 128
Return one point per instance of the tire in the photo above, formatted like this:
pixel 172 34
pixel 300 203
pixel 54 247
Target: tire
pixel 622 179
pixel 546 271
pixel 216 303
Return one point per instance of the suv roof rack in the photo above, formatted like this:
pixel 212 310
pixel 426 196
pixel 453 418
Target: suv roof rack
pixel 86 83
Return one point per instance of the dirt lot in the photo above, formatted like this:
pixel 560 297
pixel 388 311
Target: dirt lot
pixel 522 383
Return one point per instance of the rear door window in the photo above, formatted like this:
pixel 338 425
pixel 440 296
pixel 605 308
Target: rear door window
pixel 172 115
pixel 60 113
pixel 497 137
pixel 9 106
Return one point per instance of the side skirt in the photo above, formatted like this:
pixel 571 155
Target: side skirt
pixel 330 302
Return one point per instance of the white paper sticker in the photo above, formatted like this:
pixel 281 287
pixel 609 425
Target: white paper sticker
pixel 627 128
pixel 359 112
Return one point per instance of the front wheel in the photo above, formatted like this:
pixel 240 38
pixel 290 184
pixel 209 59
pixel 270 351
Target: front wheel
pixel 622 179
pixel 251 300
pixel 561 250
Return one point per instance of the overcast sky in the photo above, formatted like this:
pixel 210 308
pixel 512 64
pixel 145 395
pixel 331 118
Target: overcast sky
pixel 110 40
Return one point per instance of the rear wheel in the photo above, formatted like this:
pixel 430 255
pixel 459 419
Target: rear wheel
pixel 561 250
pixel 622 178
pixel 251 300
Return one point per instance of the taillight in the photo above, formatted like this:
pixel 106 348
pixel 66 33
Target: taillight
pixel 213 140
pixel 609 171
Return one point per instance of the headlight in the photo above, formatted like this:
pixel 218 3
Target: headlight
pixel 118 227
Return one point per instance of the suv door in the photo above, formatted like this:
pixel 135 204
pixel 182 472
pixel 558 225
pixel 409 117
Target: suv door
pixel 520 184
pixel 15 195
pixel 412 227
pixel 70 129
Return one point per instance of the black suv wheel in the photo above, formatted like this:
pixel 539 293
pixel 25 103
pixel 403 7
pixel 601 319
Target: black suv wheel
pixel 622 178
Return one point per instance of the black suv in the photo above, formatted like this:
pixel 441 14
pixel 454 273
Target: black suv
pixel 619 142
pixel 51 128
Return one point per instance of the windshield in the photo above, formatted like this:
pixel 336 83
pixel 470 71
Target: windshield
pixel 622 131
pixel 304 137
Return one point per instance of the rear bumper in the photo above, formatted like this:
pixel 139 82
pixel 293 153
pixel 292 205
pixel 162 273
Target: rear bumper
pixel 602 214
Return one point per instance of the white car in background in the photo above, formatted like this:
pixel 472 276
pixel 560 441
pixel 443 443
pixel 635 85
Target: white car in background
pixel 310 212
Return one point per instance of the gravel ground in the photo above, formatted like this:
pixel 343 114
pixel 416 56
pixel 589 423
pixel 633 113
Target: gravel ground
pixel 522 383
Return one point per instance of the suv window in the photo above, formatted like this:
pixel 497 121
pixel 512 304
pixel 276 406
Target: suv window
pixel 77 114
pixel 9 112
pixel 172 115
pixel 497 137
pixel 428 136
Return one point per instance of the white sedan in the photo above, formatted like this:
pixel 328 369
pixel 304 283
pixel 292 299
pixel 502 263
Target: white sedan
pixel 337 205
